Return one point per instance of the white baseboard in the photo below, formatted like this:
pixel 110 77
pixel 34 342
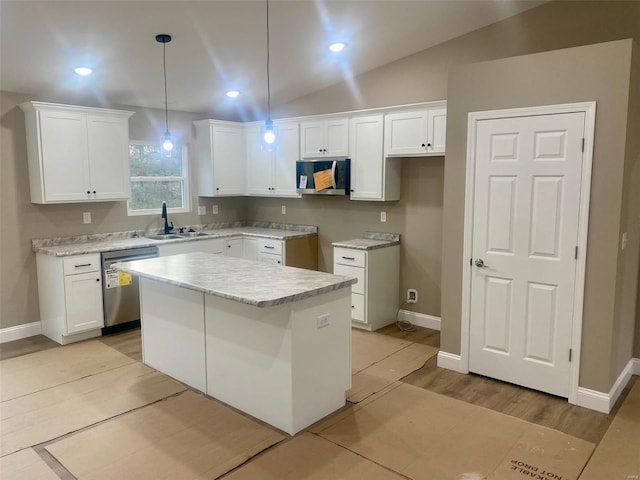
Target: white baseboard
pixel 20 331
pixel 636 366
pixel 420 319
pixel 604 402
pixel 451 361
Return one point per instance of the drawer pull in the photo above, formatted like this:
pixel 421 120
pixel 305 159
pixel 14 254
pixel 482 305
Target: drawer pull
pixel 348 258
pixel 82 265
pixel 269 247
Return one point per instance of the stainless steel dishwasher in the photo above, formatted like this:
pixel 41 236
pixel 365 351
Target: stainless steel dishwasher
pixel 120 292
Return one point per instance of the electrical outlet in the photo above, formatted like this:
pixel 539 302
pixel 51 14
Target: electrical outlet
pixel 322 321
pixel 202 210
pixel 86 217
pixel 624 241
pixel 383 216
pixel 412 295
pixel 284 209
pixel 214 209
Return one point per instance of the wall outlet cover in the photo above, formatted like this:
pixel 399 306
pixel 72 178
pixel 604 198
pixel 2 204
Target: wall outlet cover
pixel 284 209
pixel 86 217
pixel 214 209
pixel 322 321
pixel 202 210
pixel 383 216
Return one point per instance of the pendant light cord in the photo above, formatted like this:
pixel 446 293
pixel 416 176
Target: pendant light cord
pixel 164 67
pixel 268 61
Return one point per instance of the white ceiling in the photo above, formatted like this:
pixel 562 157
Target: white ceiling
pixel 219 45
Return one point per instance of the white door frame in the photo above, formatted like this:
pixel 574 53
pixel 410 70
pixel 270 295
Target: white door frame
pixel 589 109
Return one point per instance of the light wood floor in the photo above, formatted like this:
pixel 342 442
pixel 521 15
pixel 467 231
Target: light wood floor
pixel 523 403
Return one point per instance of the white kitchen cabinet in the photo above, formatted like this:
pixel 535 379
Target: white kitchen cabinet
pixel 234 247
pixel 250 249
pixel 374 299
pixel 220 153
pixel 77 154
pixel 272 172
pixel 373 177
pixel 324 138
pixel 414 133
pixel 207 245
pixel 70 297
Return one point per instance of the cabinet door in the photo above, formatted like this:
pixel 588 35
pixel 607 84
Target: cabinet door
pixel 83 301
pixel 250 250
pixel 406 133
pixel 437 124
pixel 259 164
pixel 367 161
pixel 234 247
pixel 108 157
pixel 270 258
pixel 228 159
pixel 312 139
pixel 284 160
pixel 336 142
pixel 64 151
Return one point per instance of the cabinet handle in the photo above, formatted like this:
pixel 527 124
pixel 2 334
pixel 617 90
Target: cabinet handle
pixel 423 145
pixel 97 279
pixel 88 192
pixel 428 144
pixel 348 258
pixel 269 247
pixel 217 188
pixel 320 150
pixel 94 192
pixel 83 265
pixel 324 149
pixel 228 246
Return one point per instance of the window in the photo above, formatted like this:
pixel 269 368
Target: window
pixel 158 176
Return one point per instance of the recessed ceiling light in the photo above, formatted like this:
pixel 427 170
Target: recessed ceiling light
pixel 83 71
pixel 232 93
pixel 337 47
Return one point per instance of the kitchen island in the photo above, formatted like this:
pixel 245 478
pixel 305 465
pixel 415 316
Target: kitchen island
pixel 272 341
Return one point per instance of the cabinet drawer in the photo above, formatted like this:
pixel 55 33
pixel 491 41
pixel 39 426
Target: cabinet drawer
pixel 348 256
pixel 270 246
pixel 357 307
pixel 349 271
pixel 81 264
pixel 271 258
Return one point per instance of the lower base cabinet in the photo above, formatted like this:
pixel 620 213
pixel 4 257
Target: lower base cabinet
pixel 70 297
pixel 374 299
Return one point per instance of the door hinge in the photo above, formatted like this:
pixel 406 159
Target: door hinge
pixel 570 353
pixel 583 145
pixel 576 254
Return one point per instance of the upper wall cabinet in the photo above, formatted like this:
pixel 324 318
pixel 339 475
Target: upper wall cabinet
pixel 373 177
pixel 77 154
pixel 272 172
pixel 324 138
pixel 416 132
pixel 220 156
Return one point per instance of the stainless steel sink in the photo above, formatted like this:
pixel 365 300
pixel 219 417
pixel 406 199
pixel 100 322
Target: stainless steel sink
pixel 193 234
pixel 169 236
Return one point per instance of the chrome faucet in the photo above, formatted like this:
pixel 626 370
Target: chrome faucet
pixel 167 228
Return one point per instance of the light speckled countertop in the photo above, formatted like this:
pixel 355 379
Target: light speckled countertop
pixel 84 244
pixel 245 281
pixel 370 241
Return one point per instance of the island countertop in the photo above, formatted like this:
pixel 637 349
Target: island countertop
pixel 245 281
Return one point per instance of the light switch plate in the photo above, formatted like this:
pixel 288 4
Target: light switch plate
pixel 284 209
pixel 383 216
pixel 322 321
pixel 86 217
pixel 202 210
pixel 624 241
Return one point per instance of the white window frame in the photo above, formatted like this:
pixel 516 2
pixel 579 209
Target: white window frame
pixel 186 201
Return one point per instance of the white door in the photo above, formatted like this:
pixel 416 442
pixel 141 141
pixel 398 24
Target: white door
pixel 525 233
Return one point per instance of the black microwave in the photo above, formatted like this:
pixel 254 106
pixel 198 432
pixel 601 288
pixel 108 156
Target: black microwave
pixel 324 176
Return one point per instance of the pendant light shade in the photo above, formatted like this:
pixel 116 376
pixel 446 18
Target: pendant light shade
pixel 269 133
pixel 167 142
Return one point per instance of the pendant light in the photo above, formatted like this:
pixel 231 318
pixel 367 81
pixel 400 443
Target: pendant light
pixel 269 134
pixel 167 143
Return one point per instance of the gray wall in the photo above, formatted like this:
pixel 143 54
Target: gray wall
pixel 598 72
pixel 22 220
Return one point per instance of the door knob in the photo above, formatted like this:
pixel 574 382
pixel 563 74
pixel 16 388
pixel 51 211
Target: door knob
pixel 480 263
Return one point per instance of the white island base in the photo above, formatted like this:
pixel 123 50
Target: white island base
pixel 288 365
